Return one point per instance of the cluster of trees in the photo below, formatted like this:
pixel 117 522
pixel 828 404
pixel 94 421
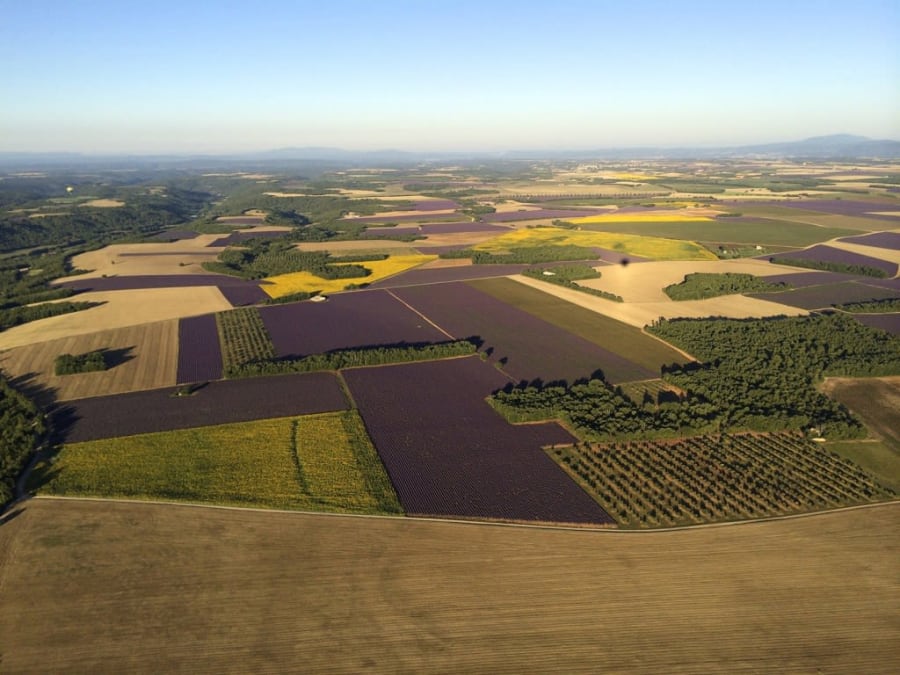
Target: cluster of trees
pixel 23 283
pixel 756 374
pixel 22 426
pixel 141 215
pixel 69 364
pixel 350 358
pixel 885 306
pixel 831 266
pixel 261 258
pixel 567 275
pixel 700 285
pixel 761 372
pixel 527 255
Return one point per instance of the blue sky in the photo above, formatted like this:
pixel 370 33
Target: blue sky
pixel 195 76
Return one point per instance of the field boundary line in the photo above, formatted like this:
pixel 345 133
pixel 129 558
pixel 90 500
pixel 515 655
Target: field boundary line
pixel 457 521
pixel 413 309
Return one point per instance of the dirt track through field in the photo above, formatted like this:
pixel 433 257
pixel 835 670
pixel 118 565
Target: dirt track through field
pixel 142 588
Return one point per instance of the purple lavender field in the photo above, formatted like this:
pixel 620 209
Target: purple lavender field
pixel 347 320
pixel 889 240
pixel 828 254
pixel 199 351
pixel 219 402
pixel 827 295
pixel 843 207
pixel 449 454
pixel 888 322
pixel 526 347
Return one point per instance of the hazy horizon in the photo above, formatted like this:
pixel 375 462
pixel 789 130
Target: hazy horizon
pixel 103 77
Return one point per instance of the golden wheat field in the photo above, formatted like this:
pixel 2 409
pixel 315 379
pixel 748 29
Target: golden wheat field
pixel 119 309
pixel 143 357
pixel 147 588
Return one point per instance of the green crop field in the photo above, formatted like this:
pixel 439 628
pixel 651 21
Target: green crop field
pixel 314 462
pixel 627 341
pixel 763 231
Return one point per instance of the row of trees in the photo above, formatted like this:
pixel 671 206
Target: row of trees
pixel 831 266
pixel 22 426
pixel 351 358
pixel 527 255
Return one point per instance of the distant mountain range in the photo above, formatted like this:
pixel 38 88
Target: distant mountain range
pixel 836 146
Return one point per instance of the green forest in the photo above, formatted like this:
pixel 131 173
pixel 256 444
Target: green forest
pixel 753 374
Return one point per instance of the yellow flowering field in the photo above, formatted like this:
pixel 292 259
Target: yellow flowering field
pixel 638 218
pixel 313 462
pixel 648 247
pixel 306 282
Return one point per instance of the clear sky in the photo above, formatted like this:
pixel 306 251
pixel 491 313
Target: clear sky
pixel 191 76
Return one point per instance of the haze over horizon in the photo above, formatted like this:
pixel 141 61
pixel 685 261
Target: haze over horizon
pixel 107 77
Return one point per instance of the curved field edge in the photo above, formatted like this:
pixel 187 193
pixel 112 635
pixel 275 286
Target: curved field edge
pixel 138 583
pixel 311 462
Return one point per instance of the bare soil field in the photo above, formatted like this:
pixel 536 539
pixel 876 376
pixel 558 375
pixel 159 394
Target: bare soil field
pixel 143 357
pixel 108 587
pixel 120 309
pixel 103 203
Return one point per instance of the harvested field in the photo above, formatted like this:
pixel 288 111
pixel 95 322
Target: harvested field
pixel 640 314
pixel 787 210
pixel 524 345
pixel 645 282
pixel 888 322
pixel 167 588
pixel 626 341
pixel 828 295
pixel 449 454
pixel 220 402
pixel 199 350
pixel 889 240
pixel 118 311
pixel 347 320
pixel 314 462
pixel 142 357
pixel 182 257
pixel 103 203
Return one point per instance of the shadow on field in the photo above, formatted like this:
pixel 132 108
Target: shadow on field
pixel 116 357
pixel 42 473
pixel 11 515
pixel 38 392
pixel 62 419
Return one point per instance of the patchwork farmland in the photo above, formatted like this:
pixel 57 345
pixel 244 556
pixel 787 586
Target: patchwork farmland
pixel 209 322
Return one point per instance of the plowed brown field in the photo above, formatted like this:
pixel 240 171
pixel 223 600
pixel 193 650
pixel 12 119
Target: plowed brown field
pixel 141 588
pixel 145 357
